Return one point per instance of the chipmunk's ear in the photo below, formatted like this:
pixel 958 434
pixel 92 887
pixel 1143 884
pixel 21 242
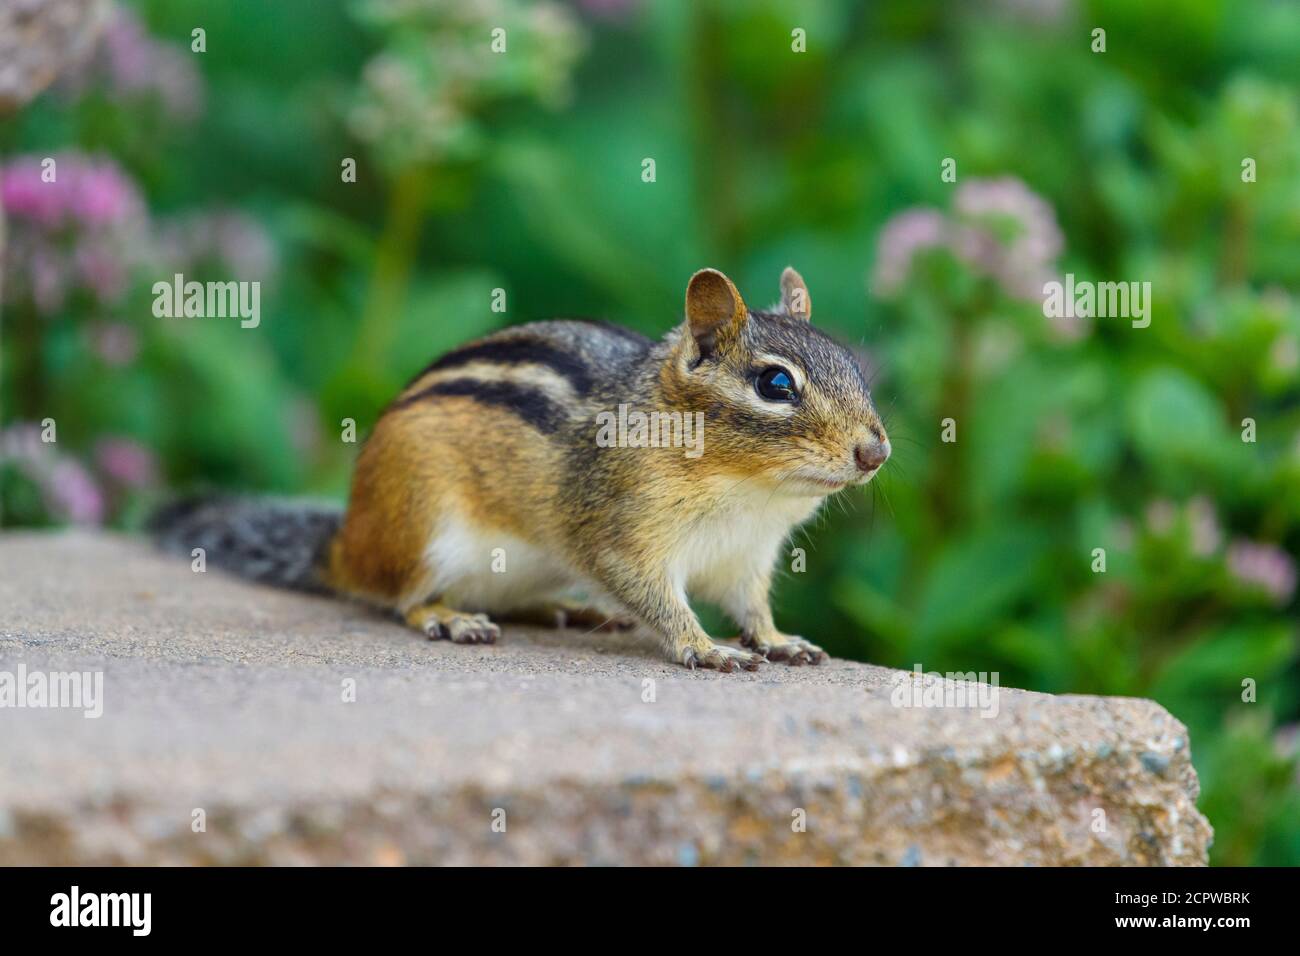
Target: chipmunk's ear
pixel 714 310
pixel 794 295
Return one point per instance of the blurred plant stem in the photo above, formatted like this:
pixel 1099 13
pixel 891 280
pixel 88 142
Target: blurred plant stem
pixel 714 153
pixel 948 489
pixel 391 277
pixel 29 375
pixel 1237 228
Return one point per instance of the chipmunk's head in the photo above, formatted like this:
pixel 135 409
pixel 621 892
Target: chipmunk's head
pixel 782 400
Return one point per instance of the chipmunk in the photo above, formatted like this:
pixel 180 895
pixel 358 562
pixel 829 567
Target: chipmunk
pixel 483 494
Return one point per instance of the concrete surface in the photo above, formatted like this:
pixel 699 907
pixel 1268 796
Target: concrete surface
pixel 226 698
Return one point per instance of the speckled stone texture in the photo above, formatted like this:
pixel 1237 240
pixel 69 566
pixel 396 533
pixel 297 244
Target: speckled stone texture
pixel 550 747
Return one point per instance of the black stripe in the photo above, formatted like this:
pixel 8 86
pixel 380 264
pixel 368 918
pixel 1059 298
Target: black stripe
pixel 516 351
pixel 528 403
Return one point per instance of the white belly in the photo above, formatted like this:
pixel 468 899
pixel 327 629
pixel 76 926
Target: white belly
pixel 475 569
pixel 735 541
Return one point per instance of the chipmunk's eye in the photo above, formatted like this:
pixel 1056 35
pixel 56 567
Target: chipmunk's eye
pixel 776 384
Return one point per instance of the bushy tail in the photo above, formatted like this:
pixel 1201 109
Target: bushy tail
pixel 280 542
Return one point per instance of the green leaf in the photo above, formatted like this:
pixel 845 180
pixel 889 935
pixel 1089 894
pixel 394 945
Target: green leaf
pixel 977 579
pixel 1219 662
pixel 1175 422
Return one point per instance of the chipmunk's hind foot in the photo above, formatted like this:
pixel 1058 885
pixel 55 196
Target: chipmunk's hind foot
pixel 784 647
pixel 439 622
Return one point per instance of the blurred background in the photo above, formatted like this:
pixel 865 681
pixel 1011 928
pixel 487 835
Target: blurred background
pixel 524 172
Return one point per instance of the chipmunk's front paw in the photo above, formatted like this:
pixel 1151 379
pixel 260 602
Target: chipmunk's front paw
pixel 438 622
pixel 785 647
pixel 718 657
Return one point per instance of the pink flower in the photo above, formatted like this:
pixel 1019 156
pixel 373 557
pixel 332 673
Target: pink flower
pixel 1038 234
pixel 68 490
pixel 74 494
pixel 1204 523
pixel 128 64
pixel 1161 515
pixel 116 342
pixel 82 231
pixel 101 269
pixel 999 228
pixel 1262 566
pixel 1026 260
pixel 102 195
pixel 126 462
pixel 85 192
pixel 908 234
pixel 24 195
pixel 223 239
pixel 47 275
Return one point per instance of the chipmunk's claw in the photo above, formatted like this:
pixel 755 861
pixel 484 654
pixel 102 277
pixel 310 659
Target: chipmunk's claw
pixel 719 657
pixel 794 651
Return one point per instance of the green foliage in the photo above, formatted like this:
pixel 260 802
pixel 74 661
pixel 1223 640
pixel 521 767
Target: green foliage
pixel 479 172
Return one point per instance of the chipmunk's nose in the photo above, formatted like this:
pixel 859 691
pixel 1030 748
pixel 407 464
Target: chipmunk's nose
pixel 872 454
